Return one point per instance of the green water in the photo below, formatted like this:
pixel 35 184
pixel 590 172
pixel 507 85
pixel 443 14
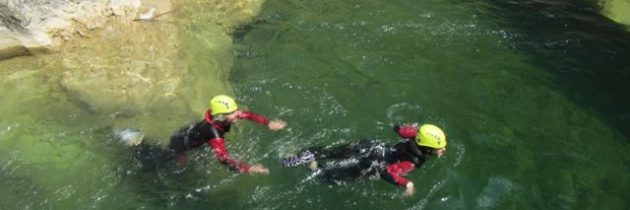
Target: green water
pixel 534 104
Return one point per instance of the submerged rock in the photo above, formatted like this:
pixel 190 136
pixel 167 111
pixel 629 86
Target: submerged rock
pixel 617 10
pixel 151 72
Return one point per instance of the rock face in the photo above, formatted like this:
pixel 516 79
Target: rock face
pixel 150 74
pixel 42 25
pixel 10 47
pixel 125 64
pixel 98 32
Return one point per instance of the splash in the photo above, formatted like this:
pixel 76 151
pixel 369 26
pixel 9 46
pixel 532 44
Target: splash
pixel 129 137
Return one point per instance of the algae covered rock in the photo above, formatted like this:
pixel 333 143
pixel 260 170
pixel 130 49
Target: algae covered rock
pixel 617 10
pixel 140 71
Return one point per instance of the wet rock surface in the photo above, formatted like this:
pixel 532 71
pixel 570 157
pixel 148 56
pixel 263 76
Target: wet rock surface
pixel 130 60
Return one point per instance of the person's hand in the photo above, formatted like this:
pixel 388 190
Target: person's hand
pixel 258 169
pixel 413 125
pixel 276 125
pixel 409 189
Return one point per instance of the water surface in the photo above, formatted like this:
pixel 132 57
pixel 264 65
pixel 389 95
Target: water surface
pixel 533 102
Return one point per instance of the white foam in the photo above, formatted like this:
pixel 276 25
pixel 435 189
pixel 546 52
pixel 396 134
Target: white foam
pixel 129 137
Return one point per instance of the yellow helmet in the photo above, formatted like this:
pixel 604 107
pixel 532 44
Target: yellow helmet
pixel 222 104
pixel 431 136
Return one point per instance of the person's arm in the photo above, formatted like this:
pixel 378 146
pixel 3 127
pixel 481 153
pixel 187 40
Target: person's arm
pixel 406 131
pixel 251 116
pixel 219 150
pixel 396 172
pixel 273 124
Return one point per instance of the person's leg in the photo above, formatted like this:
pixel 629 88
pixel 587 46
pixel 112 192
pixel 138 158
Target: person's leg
pixel 336 151
pixel 310 154
pixel 364 159
pixel 355 149
pixel 301 158
pixel 342 151
pixel 178 146
pixel 152 154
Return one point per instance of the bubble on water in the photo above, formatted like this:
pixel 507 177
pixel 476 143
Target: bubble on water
pixel 398 112
pixel 65 192
pixel 388 28
pixel 260 193
pixel 460 150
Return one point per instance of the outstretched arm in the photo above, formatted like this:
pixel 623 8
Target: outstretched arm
pixel 219 150
pixel 273 124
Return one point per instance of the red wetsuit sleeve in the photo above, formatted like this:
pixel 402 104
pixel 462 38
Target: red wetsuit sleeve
pixel 397 170
pixel 219 150
pixel 253 117
pixel 407 131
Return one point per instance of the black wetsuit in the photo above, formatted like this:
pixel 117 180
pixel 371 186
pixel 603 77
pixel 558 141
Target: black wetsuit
pixel 213 133
pixel 368 158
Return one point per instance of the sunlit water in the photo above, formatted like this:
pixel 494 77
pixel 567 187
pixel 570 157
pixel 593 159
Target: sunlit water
pixel 534 104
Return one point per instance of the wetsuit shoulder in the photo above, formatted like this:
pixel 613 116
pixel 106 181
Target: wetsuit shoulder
pixel 194 136
pixel 204 131
pixel 408 151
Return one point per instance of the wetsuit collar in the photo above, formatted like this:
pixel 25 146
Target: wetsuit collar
pixel 414 149
pixel 210 121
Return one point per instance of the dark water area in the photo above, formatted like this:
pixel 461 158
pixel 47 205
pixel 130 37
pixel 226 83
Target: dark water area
pixel 585 51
